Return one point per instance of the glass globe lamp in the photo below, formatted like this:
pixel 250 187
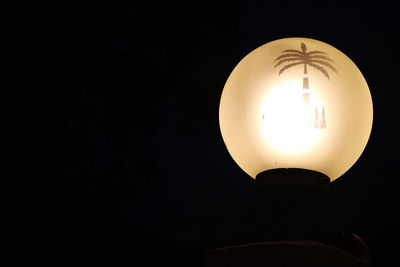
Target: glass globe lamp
pixel 296 108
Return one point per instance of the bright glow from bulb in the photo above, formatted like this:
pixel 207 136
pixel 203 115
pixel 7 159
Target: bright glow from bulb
pixel 287 123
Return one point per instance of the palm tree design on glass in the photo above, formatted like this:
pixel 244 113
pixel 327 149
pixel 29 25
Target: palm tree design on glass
pixel 316 59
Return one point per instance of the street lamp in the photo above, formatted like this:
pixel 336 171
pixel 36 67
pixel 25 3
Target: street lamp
pixel 295 114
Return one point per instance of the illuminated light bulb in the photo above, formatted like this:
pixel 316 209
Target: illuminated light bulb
pixel 296 103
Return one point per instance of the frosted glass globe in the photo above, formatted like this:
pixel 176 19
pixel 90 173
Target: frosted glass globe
pixel 296 103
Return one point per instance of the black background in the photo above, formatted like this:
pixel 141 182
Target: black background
pixel 110 128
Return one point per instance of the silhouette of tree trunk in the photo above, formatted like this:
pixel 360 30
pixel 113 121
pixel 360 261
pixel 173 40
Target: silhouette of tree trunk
pixel 306 93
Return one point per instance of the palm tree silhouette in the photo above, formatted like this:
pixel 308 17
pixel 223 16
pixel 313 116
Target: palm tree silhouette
pixel 316 59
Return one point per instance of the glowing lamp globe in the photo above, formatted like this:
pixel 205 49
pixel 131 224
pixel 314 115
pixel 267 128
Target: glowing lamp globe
pixel 296 103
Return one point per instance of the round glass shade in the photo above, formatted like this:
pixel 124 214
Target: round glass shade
pixel 296 103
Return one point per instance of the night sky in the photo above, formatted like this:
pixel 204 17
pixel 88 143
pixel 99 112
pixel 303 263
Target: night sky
pixel 110 126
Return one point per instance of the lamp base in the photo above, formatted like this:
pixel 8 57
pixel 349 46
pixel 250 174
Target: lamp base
pixel 290 183
pixel 293 193
pixel 295 240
